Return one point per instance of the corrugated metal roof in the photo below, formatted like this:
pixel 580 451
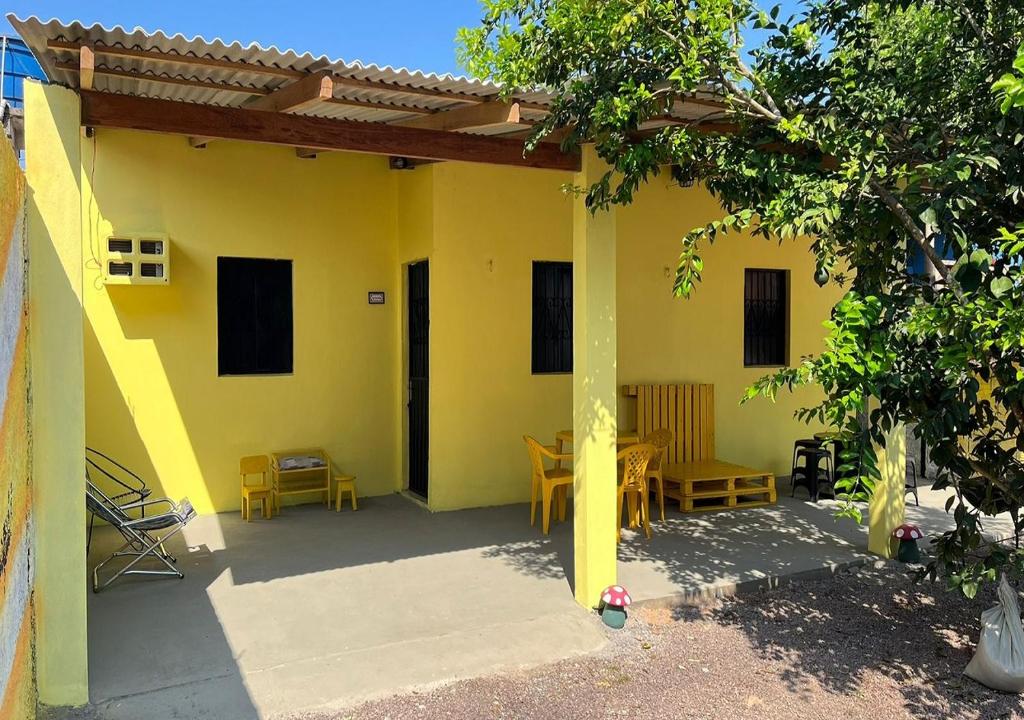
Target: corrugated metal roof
pixel 268 69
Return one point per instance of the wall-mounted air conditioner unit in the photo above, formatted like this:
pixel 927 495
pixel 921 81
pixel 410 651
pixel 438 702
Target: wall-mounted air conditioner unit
pixel 137 259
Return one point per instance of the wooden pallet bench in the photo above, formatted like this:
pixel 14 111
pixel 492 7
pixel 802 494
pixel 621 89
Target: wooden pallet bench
pixel 717 485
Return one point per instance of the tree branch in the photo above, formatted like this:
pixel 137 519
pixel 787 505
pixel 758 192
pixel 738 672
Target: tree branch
pixel 987 474
pixel 897 209
pixel 761 89
pixel 976 28
pixel 735 89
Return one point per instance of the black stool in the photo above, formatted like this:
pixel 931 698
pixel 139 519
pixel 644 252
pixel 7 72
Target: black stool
pixel 806 443
pixel 811 473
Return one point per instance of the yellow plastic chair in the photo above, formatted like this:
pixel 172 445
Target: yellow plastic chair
pixel 660 439
pixel 256 465
pixel 633 484
pixel 547 482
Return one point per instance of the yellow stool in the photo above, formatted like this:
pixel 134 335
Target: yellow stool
pixel 346 483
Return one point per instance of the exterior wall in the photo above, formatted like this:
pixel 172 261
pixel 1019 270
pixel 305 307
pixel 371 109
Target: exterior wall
pixel 663 339
pixel 490 223
pixel 17 637
pixel 53 170
pixel 350 225
pixel 154 398
pixel 415 211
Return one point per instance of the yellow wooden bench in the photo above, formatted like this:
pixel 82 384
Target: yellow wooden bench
pixel 692 474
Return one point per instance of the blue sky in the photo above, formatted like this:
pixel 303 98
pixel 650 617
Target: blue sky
pixel 411 33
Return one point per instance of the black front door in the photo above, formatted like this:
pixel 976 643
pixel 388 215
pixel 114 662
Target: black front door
pixel 419 380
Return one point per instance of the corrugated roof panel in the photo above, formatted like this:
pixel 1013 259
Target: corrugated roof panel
pixel 269 69
pixel 38 33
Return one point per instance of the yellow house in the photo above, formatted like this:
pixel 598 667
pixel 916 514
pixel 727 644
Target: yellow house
pixel 416 315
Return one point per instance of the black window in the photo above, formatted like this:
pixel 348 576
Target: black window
pixel 765 317
pixel 254 316
pixel 552 317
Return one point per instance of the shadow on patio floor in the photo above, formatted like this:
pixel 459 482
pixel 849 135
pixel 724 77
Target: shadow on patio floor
pixel 696 556
pixel 316 609
pixel 840 636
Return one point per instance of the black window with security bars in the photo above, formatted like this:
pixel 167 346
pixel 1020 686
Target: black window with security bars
pixel 254 316
pixel 765 317
pixel 552 317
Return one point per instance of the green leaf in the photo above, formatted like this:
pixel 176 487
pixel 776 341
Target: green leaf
pixel 1000 286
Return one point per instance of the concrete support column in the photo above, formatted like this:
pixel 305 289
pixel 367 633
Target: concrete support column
pixel 594 391
pixel 56 358
pixel 887 508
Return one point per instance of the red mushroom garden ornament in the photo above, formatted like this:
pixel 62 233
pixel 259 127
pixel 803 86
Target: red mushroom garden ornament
pixel 614 601
pixel 908 535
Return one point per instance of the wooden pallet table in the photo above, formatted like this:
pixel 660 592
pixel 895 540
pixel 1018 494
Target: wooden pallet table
pixel 717 485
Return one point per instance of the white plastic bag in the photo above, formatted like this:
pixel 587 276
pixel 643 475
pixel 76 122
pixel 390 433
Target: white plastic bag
pixel 998 662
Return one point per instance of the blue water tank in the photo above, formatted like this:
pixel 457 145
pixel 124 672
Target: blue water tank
pixel 17 64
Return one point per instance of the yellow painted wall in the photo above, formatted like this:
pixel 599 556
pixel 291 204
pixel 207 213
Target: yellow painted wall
pixel 53 171
pixel 663 339
pixel 154 399
pixel 484 397
pixel 350 225
pixel 490 224
pixel 415 221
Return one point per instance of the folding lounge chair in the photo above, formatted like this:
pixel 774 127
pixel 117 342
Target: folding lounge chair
pixel 140 534
pixel 129 486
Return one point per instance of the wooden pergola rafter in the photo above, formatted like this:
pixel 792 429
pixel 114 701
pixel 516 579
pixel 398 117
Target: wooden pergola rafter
pixel 418 134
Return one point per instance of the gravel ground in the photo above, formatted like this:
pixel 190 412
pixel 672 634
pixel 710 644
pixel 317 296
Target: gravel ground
pixel 865 644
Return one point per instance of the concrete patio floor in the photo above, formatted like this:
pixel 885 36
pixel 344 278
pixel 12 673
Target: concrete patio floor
pixel 315 610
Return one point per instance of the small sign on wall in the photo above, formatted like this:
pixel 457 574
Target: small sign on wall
pixel 375 297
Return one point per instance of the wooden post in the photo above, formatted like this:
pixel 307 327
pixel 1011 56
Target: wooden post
pixel 594 391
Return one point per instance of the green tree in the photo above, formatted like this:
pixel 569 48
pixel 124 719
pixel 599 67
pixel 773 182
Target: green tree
pixel 873 131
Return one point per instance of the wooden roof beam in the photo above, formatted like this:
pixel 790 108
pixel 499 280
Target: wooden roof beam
pixel 370 105
pixel 86 67
pixel 230 123
pixel 467 116
pixel 240 66
pixel 156 55
pixel 555 136
pixel 166 79
pixel 241 89
pixel 297 95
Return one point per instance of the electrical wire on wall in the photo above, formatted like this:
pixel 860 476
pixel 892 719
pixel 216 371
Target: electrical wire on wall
pixel 94 262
